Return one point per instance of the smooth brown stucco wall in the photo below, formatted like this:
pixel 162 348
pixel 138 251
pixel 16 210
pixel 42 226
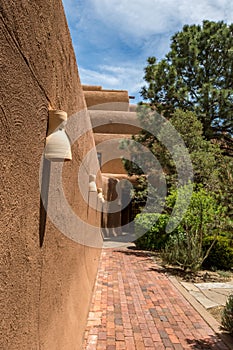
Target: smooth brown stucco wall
pixel 115 122
pixel 45 290
pixel 113 100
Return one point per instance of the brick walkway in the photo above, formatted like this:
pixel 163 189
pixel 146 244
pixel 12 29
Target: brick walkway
pixel 135 306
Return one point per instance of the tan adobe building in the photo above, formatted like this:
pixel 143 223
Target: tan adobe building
pixel 113 119
pixel 47 278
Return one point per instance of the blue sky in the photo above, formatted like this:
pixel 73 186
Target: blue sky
pixel 113 38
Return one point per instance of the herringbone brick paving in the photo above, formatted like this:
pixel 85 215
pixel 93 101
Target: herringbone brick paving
pixel 135 306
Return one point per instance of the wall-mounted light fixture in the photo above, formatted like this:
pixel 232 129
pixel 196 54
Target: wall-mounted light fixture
pixel 57 142
pixel 100 195
pixel 92 183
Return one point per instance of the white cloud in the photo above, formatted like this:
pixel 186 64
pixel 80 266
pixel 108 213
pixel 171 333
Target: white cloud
pixel 72 9
pixel 140 18
pixel 98 77
pixel 102 22
pixel 114 77
pixel 113 38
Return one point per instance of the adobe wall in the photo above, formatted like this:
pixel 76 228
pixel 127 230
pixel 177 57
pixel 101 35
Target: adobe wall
pixel 47 278
pixel 102 99
pixel 115 122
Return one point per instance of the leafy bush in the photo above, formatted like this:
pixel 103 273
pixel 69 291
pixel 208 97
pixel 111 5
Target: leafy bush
pixel 195 240
pixel 221 254
pixel 202 218
pixel 229 234
pixel 227 315
pixel 154 225
pixel 183 250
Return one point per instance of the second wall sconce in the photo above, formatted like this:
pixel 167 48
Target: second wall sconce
pixel 92 183
pixel 57 142
pixel 100 195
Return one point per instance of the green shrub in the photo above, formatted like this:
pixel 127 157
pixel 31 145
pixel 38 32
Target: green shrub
pixel 220 256
pixel 229 235
pixel 183 250
pixel 153 225
pixel 227 315
pixel 202 218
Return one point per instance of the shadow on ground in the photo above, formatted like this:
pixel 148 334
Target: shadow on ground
pixel 213 343
pixel 155 256
pixel 199 276
pixel 135 252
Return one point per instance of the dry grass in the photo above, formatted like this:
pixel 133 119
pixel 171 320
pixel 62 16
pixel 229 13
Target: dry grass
pixel 216 312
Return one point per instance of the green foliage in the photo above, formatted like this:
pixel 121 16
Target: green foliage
pixel 206 157
pixel 196 75
pixel 131 167
pixel 154 225
pixel 204 212
pixel 227 315
pixel 204 217
pixel 221 254
pixel 226 187
pixel 196 241
pixel 183 250
pixel 192 86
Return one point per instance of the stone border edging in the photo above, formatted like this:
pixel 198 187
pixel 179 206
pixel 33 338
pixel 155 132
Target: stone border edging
pixel 214 324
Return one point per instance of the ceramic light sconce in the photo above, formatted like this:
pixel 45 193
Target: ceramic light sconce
pixel 100 195
pixel 92 183
pixel 57 142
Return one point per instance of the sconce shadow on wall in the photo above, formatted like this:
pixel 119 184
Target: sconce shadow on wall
pixel 44 199
pixel 57 149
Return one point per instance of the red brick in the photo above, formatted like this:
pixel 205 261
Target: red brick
pixel 135 306
pixel 148 342
pixel 120 336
